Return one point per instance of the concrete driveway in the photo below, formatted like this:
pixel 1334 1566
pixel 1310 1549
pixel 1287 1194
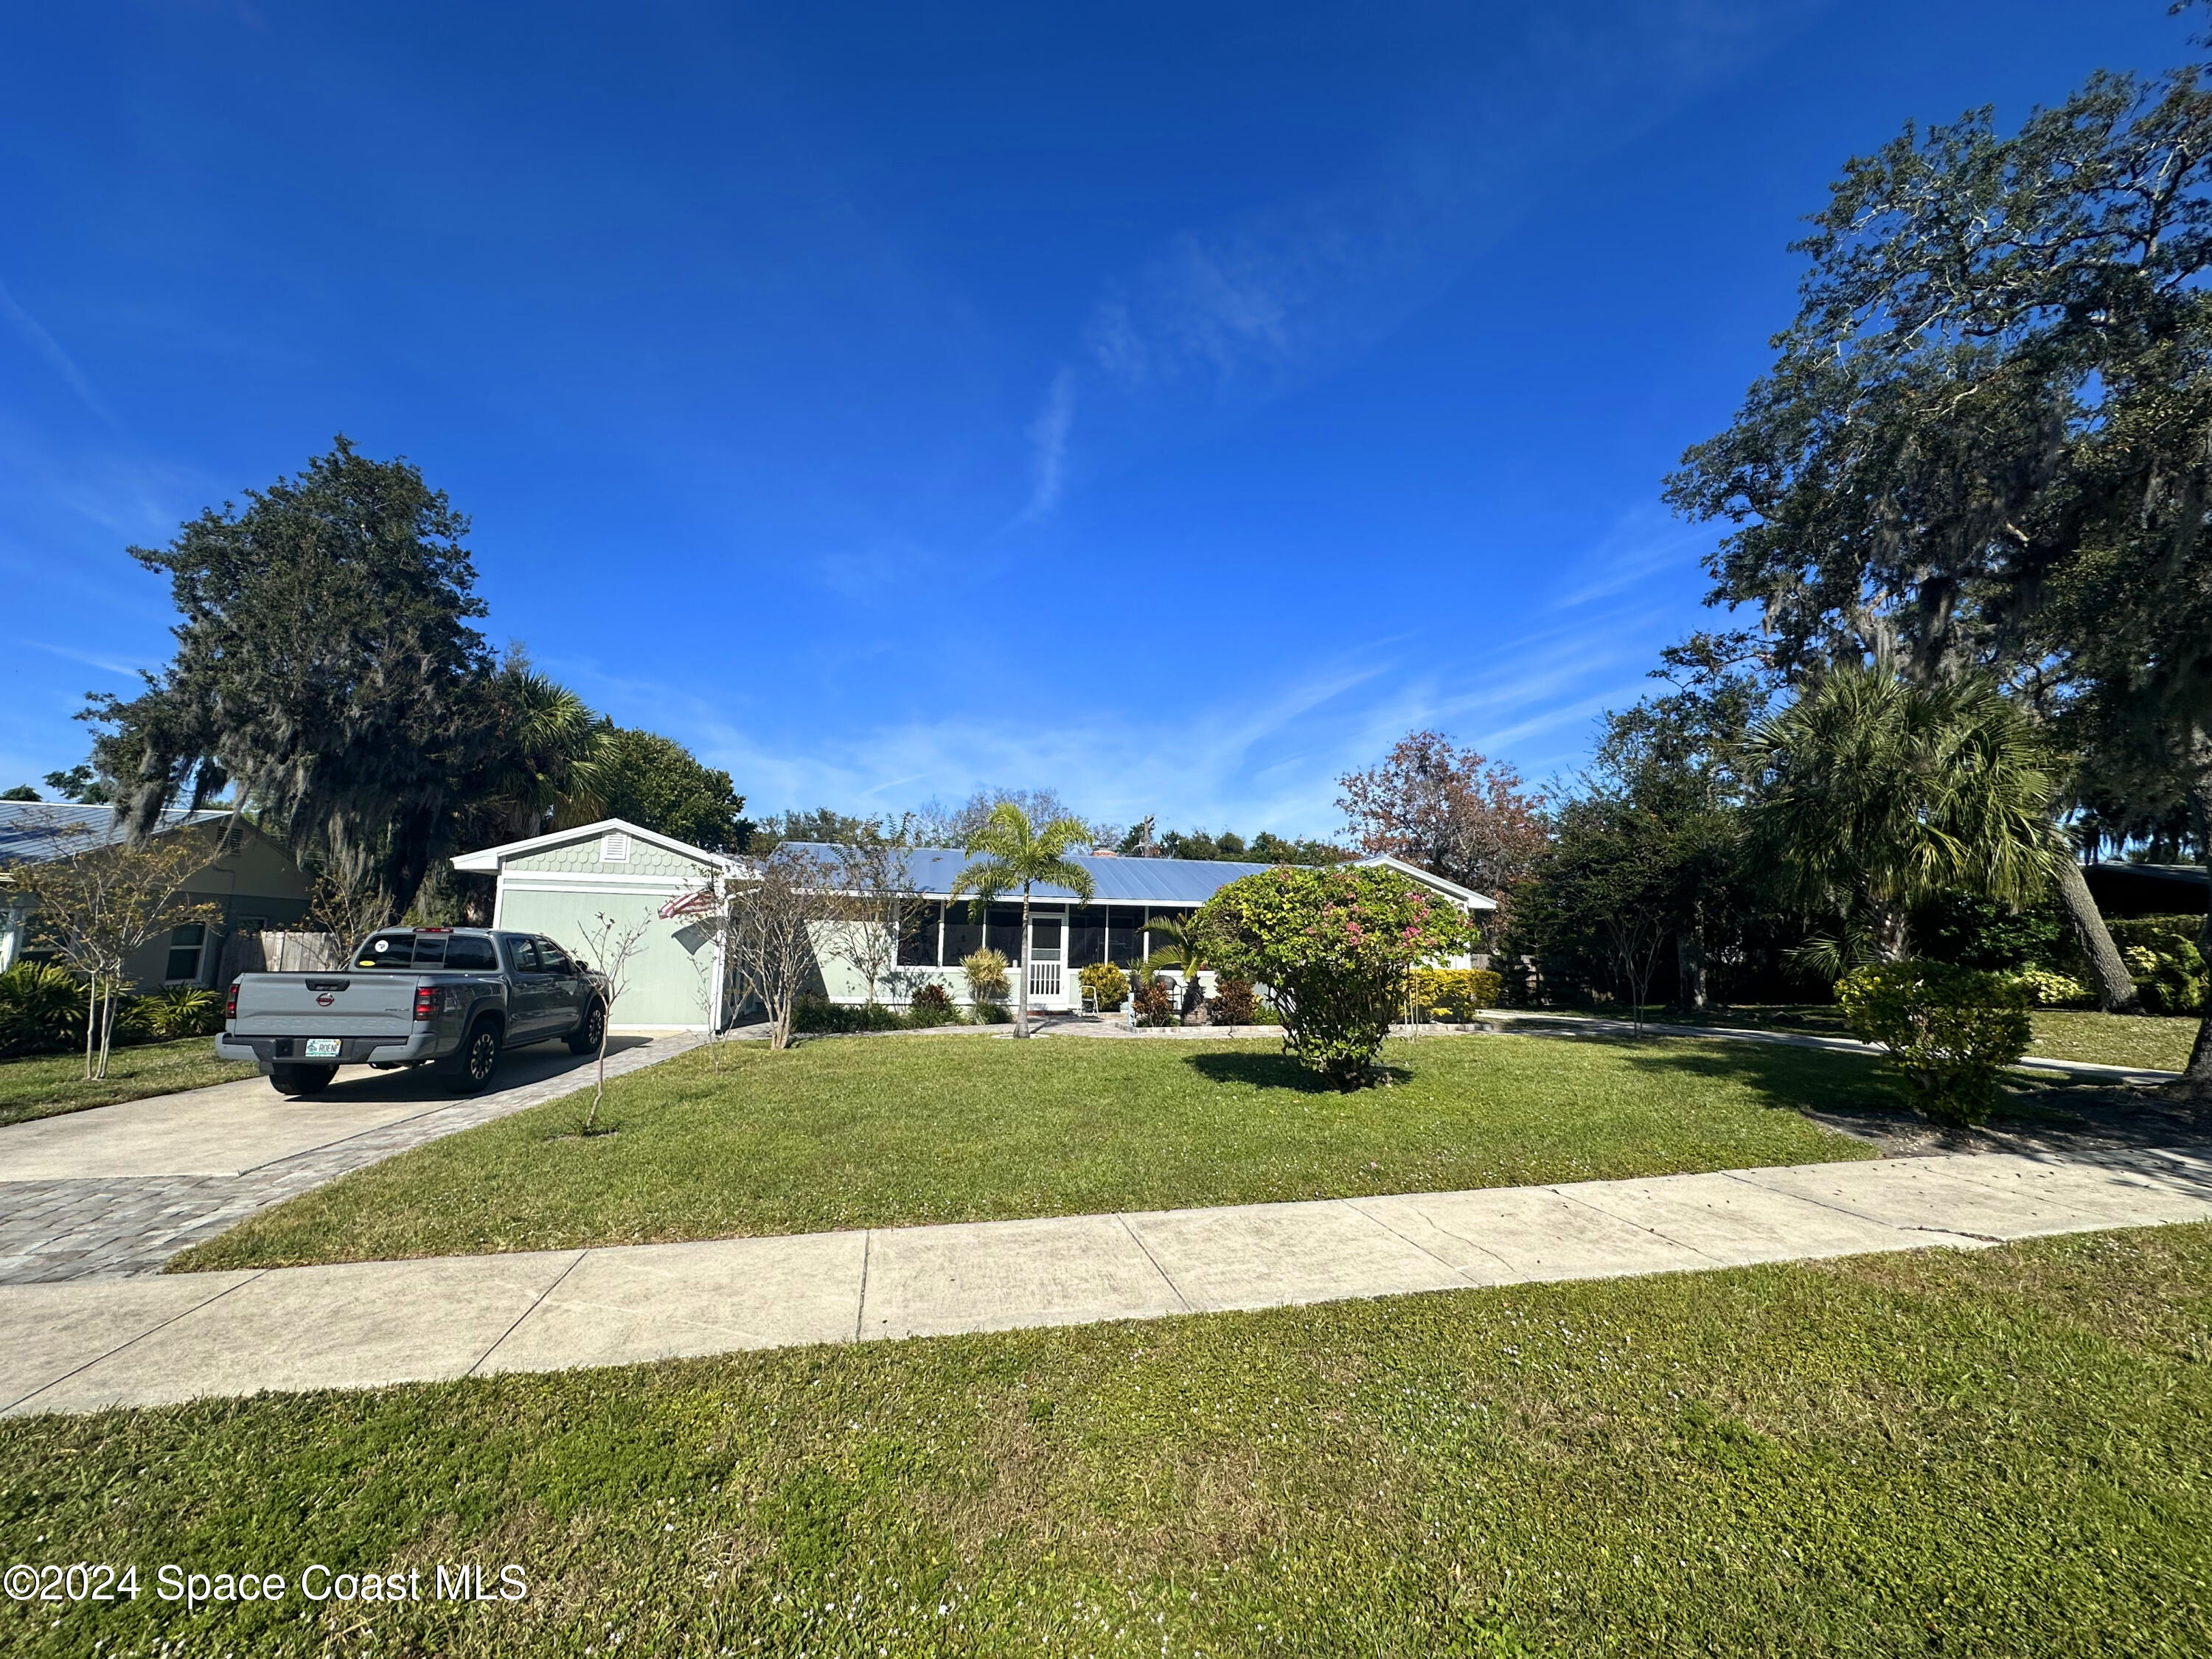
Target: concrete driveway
pixel 114 1191
pixel 231 1129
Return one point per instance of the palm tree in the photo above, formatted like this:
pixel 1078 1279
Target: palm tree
pixel 1007 853
pixel 1187 947
pixel 1880 792
pixel 542 771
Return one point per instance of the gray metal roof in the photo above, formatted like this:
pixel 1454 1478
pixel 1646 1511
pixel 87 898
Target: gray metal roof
pixel 38 831
pixel 1180 882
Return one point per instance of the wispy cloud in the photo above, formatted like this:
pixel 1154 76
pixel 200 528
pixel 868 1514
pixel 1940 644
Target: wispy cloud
pixel 107 665
pixel 1048 436
pixel 1643 544
pixel 35 336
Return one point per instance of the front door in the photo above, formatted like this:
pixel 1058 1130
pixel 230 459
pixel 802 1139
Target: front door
pixel 1047 953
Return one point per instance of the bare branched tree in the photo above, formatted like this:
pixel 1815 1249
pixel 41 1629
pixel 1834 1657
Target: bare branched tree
pixel 873 894
pixel 99 904
pixel 773 907
pixel 613 943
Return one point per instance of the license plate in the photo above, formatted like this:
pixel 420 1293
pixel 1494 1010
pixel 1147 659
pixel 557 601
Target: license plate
pixel 322 1047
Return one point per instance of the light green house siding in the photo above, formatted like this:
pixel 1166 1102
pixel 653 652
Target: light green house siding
pixel 560 884
pixel 670 979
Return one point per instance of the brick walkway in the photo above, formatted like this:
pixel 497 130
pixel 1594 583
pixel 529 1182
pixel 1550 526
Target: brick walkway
pixel 112 1227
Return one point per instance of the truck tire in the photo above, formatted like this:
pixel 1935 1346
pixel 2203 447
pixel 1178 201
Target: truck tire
pixel 295 1081
pixel 586 1038
pixel 470 1068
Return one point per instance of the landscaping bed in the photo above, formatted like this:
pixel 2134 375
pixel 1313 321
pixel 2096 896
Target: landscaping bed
pixel 45 1085
pixel 1996 1452
pixel 869 1132
pixel 2156 1043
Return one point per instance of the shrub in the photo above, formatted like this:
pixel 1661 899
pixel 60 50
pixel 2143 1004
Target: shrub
pixel 1234 1003
pixel 2048 990
pixel 2168 970
pixel 1950 1030
pixel 987 975
pixel 41 1009
pixel 1106 986
pixel 1155 1001
pixel 932 1005
pixel 182 1010
pixel 1332 945
pixel 1454 992
pixel 819 1014
pixel 993 1013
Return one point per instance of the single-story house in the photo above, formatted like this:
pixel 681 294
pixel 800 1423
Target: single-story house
pixel 250 878
pixel 1067 934
pixel 558 883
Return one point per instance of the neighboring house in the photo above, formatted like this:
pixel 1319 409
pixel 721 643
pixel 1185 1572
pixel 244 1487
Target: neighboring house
pixel 557 884
pixel 1066 935
pixel 248 876
pixel 2125 889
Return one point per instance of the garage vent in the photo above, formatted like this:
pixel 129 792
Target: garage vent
pixel 614 848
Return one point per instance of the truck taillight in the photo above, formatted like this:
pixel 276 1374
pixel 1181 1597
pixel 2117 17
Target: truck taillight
pixel 230 1002
pixel 427 1000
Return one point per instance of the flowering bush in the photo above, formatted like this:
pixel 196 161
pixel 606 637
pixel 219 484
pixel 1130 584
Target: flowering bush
pixel 1332 947
pixel 1951 1031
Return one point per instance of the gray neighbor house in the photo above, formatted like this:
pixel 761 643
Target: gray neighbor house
pixel 252 881
pixel 557 884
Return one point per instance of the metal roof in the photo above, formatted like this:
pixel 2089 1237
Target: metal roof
pixel 931 871
pixel 38 831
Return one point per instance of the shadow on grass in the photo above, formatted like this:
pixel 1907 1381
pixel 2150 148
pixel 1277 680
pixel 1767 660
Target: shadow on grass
pixel 1277 1072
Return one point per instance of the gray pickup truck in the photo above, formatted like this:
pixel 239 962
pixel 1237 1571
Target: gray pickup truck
pixel 449 998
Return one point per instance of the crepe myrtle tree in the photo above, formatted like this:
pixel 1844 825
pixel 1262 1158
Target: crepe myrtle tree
pixel 774 908
pixel 99 904
pixel 611 944
pixel 1007 853
pixel 1334 947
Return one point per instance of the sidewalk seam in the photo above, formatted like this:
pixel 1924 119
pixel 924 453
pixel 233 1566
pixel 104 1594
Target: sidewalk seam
pixel 1175 1289
pixel 150 1330
pixel 1352 1205
pixel 559 1280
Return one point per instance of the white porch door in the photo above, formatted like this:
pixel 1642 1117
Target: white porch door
pixel 1048 951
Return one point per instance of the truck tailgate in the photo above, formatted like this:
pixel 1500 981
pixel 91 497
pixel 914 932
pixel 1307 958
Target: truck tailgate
pixel 325 1005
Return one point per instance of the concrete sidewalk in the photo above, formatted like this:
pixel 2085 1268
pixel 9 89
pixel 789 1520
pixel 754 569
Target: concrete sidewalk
pixel 82 1346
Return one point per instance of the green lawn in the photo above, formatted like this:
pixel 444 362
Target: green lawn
pixel 861 1131
pixel 46 1085
pixel 2000 1452
pixel 2060 1033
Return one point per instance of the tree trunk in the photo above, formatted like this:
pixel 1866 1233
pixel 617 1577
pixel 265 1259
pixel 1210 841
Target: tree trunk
pixel 1021 985
pixel 2108 974
pixel 91 1023
pixel 1892 931
pixel 1690 969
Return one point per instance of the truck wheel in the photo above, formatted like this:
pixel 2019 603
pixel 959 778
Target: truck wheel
pixel 586 1039
pixel 470 1069
pixel 297 1080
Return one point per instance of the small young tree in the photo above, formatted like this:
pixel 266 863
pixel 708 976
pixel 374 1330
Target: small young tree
pixel 1332 947
pixel 1009 854
pixel 99 905
pixel 1187 948
pixel 872 897
pixel 611 944
pixel 773 911
pixel 348 903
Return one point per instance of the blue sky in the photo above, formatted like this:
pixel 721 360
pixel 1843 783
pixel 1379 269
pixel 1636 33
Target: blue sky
pixel 1168 405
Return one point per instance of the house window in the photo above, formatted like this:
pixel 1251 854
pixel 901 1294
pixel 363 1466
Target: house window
pixel 963 936
pixel 1125 938
pixel 917 945
pixel 1003 933
pixel 614 848
pixel 1086 935
pixel 185 946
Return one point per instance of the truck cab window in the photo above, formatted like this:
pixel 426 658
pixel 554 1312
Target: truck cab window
pixel 471 955
pixel 394 948
pixel 555 959
pixel 522 956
